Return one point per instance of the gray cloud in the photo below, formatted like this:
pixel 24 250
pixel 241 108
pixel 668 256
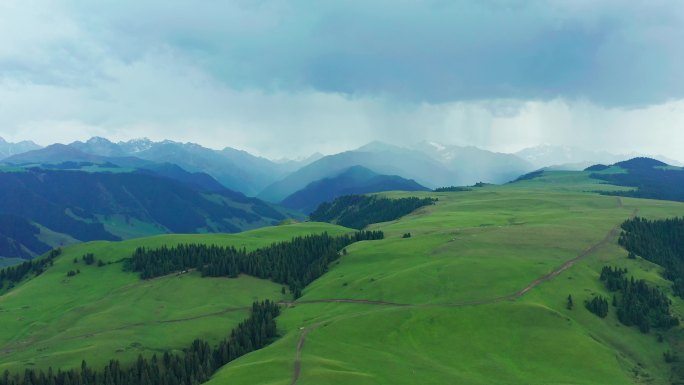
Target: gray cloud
pixel 610 52
pixel 285 78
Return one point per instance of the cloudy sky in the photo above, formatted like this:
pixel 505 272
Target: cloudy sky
pixel 291 77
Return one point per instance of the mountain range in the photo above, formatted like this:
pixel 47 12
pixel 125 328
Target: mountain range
pixel 428 164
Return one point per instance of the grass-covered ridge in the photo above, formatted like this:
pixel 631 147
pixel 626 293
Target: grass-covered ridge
pixel 104 313
pixel 477 295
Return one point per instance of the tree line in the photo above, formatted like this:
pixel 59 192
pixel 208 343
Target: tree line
pixel 452 189
pixel 193 365
pixel 358 211
pixel 12 275
pixel 294 263
pixel 658 241
pixel 637 303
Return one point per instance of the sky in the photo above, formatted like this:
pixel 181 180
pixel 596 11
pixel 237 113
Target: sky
pixel 287 78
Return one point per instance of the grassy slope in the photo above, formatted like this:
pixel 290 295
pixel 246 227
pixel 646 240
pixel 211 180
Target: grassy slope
pixel 473 246
pixel 104 313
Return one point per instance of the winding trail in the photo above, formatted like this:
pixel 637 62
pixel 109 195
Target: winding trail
pixel 612 234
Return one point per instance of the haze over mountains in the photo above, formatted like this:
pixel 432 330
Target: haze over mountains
pixel 428 164
pixel 575 158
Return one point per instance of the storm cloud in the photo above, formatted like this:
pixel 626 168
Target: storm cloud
pixel 285 78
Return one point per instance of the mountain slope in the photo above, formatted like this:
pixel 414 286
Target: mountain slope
pixel 354 180
pixel 109 206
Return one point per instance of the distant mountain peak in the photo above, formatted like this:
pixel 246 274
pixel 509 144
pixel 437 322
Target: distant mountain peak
pixel 99 140
pixel 137 145
pixel 377 146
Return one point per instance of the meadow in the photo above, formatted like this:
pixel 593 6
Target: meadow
pixel 454 310
pixel 477 295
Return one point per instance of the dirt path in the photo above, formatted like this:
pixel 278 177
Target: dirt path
pixel 547 277
pixel 298 357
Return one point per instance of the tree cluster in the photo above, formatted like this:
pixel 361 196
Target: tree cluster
pixel 598 305
pixel 358 211
pixel 638 303
pixel 194 365
pixel 661 242
pixel 294 263
pixel 15 274
pixel 89 258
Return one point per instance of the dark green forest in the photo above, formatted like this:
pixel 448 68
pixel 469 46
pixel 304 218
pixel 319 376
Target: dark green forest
pixel 636 302
pixel 294 263
pixel 358 211
pixel 661 242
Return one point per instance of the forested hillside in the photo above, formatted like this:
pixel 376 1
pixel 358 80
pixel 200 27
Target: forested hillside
pixel 86 206
pixel 659 241
pixel 294 263
pixel 651 179
pixel 358 211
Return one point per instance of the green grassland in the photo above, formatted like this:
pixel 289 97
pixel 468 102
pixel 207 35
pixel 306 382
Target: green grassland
pixel 104 313
pixel 455 310
pixel 456 276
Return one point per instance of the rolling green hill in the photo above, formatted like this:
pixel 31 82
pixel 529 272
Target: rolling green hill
pixel 477 295
pixel 105 313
